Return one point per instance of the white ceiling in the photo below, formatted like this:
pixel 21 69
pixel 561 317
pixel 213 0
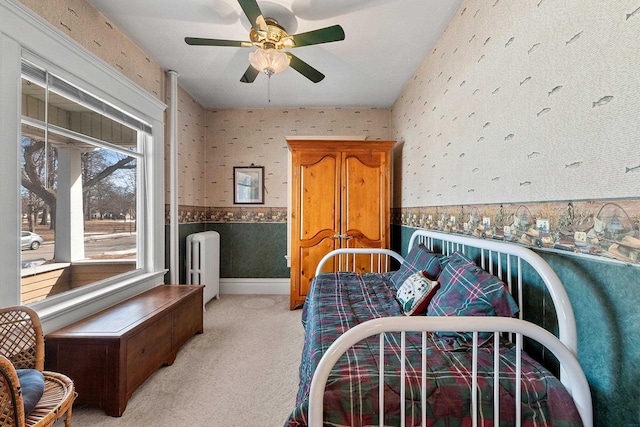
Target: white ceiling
pixel 385 42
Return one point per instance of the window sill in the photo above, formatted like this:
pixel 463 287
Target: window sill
pixel 59 311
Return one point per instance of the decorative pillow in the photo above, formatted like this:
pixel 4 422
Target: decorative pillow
pixel 468 290
pixel 458 259
pixel 32 386
pixel 418 259
pixel 415 293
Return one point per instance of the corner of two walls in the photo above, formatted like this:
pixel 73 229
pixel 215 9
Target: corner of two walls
pixel 192 158
pixel 212 141
pixel 254 237
pixel 83 23
pixel 87 26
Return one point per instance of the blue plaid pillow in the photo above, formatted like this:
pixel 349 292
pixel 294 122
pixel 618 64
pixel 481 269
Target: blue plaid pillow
pixel 419 258
pixel 468 290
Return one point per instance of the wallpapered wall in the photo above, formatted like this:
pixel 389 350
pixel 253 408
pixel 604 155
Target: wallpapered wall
pixel 212 142
pixel 241 137
pixel 191 152
pixel 258 136
pixel 523 101
pixel 519 101
pixel 84 24
pixel 529 103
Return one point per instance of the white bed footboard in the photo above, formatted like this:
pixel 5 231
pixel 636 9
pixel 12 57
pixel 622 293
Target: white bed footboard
pixel 575 380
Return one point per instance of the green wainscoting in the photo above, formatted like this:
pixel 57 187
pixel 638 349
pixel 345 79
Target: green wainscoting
pixel 247 250
pixel 605 297
pixel 252 250
pixel 606 301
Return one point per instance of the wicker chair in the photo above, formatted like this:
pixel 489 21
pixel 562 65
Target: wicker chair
pixel 22 347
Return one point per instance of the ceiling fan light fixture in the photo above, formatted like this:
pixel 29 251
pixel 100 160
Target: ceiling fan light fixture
pixel 269 61
pixel 269 37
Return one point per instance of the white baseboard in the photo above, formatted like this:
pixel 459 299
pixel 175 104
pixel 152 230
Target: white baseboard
pixel 255 286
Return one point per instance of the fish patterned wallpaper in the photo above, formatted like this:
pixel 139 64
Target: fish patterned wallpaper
pixel 191 152
pixel 523 101
pixel 84 24
pixel 241 137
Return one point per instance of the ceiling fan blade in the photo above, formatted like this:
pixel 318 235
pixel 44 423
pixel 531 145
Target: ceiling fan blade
pixel 195 41
pixel 253 12
pixel 324 35
pixel 305 69
pixel 250 75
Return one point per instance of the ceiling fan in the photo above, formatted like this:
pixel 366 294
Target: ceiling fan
pixel 270 38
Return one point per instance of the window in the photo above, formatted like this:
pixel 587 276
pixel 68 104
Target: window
pixel 81 197
pixel 75 77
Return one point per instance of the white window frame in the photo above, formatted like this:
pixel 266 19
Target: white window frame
pixel 23 34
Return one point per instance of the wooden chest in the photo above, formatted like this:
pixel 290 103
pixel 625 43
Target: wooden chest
pixel 110 354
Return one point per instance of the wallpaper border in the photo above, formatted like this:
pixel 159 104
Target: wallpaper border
pixel 601 229
pixel 245 214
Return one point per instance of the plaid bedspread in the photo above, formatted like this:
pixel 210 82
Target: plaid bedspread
pixel 339 301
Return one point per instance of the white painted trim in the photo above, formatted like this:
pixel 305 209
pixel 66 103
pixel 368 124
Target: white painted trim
pixel 174 247
pixel 48 43
pixel 92 300
pixel 24 34
pixel 289 201
pixel 10 169
pixel 255 286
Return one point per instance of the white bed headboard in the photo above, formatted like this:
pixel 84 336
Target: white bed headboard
pixel 504 260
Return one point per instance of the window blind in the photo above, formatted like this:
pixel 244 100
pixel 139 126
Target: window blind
pixel 39 76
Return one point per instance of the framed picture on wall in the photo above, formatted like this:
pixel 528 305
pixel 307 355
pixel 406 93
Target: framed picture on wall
pixel 248 184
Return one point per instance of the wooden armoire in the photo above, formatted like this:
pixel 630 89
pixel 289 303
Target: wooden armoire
pixel 340 197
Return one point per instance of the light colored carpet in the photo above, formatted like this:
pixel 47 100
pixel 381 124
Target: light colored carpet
pixel 242 371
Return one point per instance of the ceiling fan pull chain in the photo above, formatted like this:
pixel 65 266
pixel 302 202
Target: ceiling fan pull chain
pixel 269 88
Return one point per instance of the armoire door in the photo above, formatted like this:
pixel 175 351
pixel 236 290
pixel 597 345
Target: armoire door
pixel 364 214
pixel 315 216
pixel 364 199
pixel 340 198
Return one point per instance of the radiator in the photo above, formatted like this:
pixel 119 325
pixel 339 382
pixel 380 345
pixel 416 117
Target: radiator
pixel 203 262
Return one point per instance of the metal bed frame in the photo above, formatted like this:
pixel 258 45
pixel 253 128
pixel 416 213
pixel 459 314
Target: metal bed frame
pixel 505 260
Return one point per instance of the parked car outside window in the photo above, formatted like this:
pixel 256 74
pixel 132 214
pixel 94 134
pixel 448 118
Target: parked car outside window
pixel 31 240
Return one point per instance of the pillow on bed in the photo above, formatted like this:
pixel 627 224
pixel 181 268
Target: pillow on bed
pixel 468 290
pixel 415 293
pixel 418 259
